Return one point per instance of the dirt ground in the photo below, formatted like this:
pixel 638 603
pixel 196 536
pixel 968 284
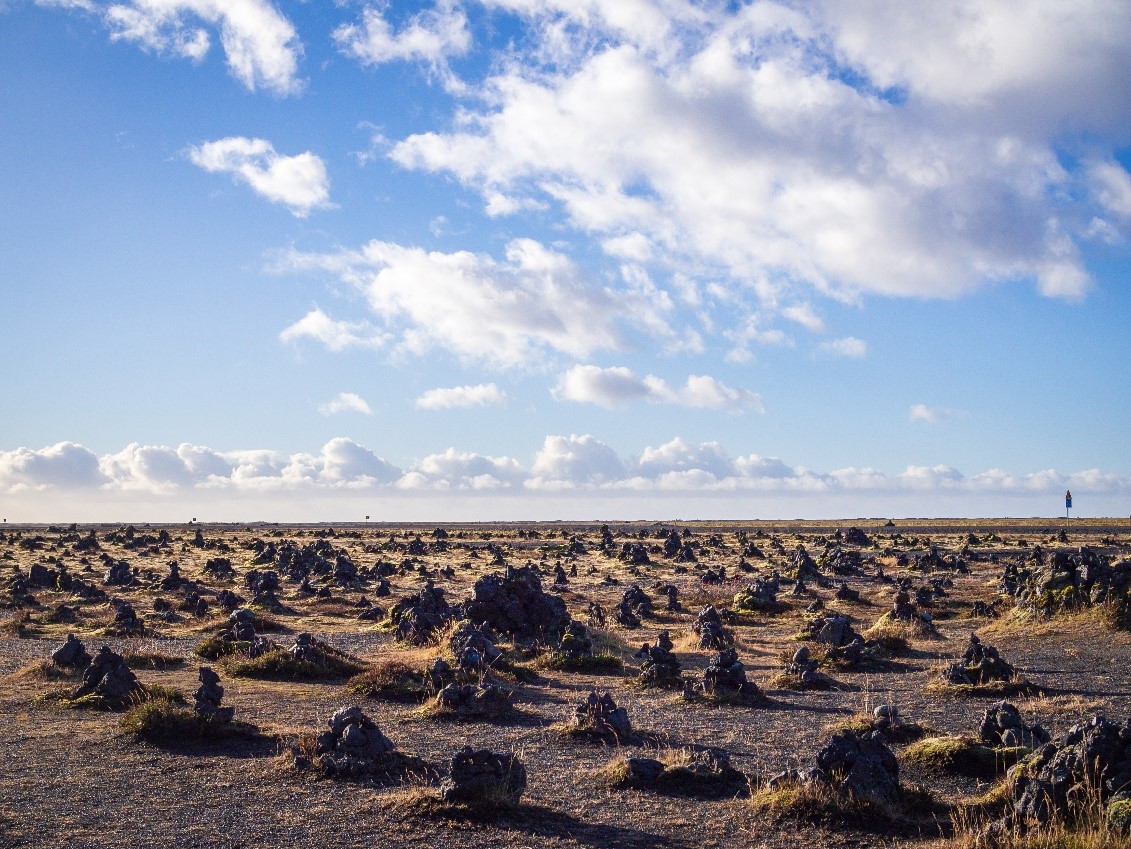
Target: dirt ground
pixel 74 778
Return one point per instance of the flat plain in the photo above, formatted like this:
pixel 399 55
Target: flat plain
pixel 81 778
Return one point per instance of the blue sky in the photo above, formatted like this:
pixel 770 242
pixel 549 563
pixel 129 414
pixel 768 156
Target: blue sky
pixel 517 259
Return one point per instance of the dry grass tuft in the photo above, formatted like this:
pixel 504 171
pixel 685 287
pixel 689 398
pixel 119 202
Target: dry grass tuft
pixel 390 680
pixel 281 665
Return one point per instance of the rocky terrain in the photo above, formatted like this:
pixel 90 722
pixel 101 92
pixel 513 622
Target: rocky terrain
pixel 652 685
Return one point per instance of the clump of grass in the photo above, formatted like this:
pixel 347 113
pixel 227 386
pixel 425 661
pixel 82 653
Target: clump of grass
pixel 281 665
pixel 21 626
pixel 818 802
pixel 785 681
pixel 219 645
pixel 44 670
pixel 152 660
pixel 593 664
pixel 1016 686
pixel 164 719
pixel 142 695
pixel 1089 823
pixel 390 680
pixel 678 777
pixel 961 754
pixel 861 723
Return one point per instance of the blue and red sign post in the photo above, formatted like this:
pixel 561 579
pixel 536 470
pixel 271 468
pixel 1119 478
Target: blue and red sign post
pixel 1067 507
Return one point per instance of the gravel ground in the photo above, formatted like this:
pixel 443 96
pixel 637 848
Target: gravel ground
pixel 73 778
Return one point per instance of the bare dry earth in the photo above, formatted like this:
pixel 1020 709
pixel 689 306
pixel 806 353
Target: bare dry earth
pixel 72 778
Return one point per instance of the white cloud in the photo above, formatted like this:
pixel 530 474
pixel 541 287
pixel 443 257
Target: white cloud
pixel 335 335
pixel 343 461
pixel 617 385
pixel 346 402
pixel 574 475
pixel 298 182
pixel 261 44
pixel 430 36
pixel 678 455
pixel 803 314
pixel 65 464
pixel 923 413
pixel 480 395
pixel 467 471
pixel 849 347
pixel 928 171
pixel 505 313
pixel 1112 186
pixel 571 461
pixel 155 467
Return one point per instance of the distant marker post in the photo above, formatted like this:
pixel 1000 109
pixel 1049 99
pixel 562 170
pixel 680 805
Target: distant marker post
pixel 1067 507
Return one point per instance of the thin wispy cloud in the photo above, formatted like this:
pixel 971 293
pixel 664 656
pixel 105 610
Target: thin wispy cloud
pixel 345 402
pixel 480 395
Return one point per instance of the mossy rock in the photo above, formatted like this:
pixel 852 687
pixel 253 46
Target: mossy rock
pixel 962 755
pixel 1119 815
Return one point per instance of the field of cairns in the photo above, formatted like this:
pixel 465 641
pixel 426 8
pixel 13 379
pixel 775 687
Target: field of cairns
pixel 808 684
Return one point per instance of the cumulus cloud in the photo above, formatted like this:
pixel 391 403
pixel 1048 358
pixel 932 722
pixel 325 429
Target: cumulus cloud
pixel 615 386
pixel 346 402
pixel 463 471
pixel 430 36
pixel 260 43
pixel 505 313
pixel 65 464
pixel 480 395
pixel 581 465
pixel 793 149
pixel 155 467
pixel 571 461
pixel 335 335
pixel 849 346
pixel 298 182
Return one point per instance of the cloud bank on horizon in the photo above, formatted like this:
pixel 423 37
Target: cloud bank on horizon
pixel 478 222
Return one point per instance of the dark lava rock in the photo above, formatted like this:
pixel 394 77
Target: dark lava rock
pixel 1002 725
pixel 418 617
pixel 1062 776
pixel 600 716
pixel 109 678
pixel 476 701
pixel 483 778
pixel 861 767
pixel 72 654
pixel 208 697
pixel 514 604
pixel 709 626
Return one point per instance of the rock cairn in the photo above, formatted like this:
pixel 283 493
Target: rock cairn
pixel 208 697
pixel 1002 725
pixel 515 604
pixel 599 716
pixel 658 666
pixel 725 679
pixel 981 664
pixel 108 678
pixel 353 747
pixel 483 777
pixel 418 617
pixel 71 655
pixel 712 633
